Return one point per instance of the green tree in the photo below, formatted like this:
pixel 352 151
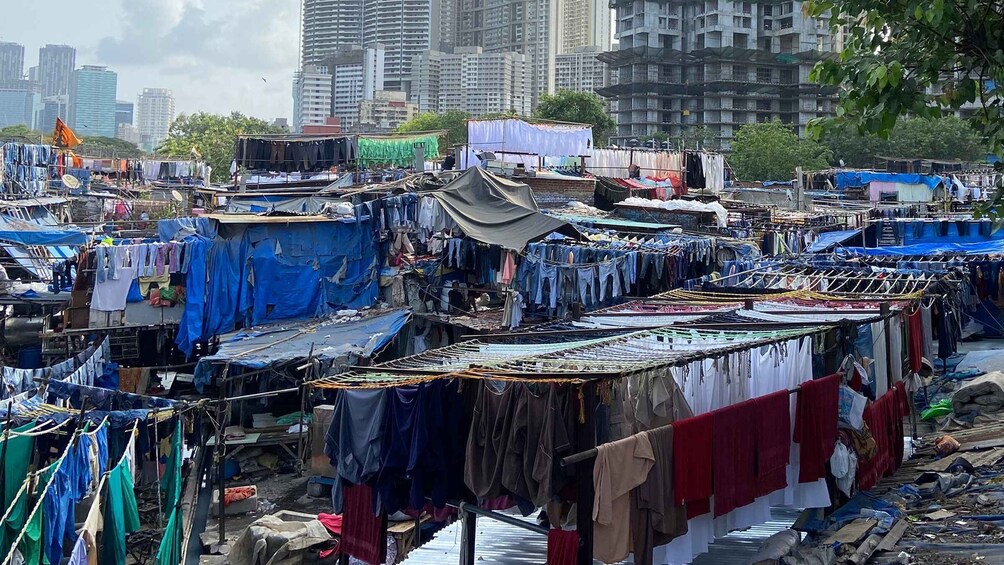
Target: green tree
pixel 771 151
pixel 213 136
pixel 108 147
pixel 919 58
pixel 453 121
pixel 578 107
pixel 946 139
pixel 21 130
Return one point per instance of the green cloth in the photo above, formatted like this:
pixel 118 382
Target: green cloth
pixel 171 481
pixel 399 151
pixel 940 408
pixel 30 545
pixel 120 513
pixel 293 418
pixel 17 458
pixel 170 545
pixel 169 552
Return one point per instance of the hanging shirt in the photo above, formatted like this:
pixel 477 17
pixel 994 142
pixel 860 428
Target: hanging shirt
pixel 15 468
pixel 620 467
pixel 655 520
pixel 111 294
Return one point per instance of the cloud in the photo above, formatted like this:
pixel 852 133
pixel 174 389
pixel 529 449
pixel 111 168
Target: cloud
pixel 211 53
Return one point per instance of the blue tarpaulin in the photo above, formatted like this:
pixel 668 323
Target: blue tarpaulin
pixel 979 248
pixel 330 340
pixel 13 230
pixel 846 179
pixel 827 240
pixel 254 274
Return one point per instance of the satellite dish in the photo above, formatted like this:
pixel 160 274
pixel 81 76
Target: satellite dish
pixel 71 182
pixel 177 196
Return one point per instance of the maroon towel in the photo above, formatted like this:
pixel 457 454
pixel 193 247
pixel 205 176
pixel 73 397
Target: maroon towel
pixel 562 547
pixel 816 415
pixel 773 441
pixel 692 440
pixel 734 458
pixel 364 536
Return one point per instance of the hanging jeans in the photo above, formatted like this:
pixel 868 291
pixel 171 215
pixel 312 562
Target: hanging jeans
pixel 587 285
pixel 609 269
pixel 100 257
pixel 549 273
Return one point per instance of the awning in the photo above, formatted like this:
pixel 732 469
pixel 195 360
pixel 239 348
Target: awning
pixel 13 230
pixel 828 240
pixel 332 340
pixel 497 211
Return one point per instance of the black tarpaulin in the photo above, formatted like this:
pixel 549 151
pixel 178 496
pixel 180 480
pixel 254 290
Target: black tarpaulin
pixel 497 211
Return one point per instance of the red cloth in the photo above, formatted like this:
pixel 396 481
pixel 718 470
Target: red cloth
pixel 364 535
pixel 331 522
pixel 734 458
pixel 773 441
pixel 692 442
pixel 916 345
pixel 563 547
pixel 816 415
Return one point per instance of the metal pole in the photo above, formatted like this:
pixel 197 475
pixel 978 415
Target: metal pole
pixel 585 438
pixel 220 457
pixel 156 442
pixel 468 536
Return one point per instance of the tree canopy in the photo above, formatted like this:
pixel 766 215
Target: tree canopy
pixel 453 121
pixel 579 107
pixel 213 137
pixel 771 151
pixel 100 146
pixel 916 57
pixel 946 139
pixel 21 130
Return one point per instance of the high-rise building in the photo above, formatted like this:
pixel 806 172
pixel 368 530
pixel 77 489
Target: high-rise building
pixel 404 27
pixel 385 112
pixel 328 24
pixel 580 70
pixel 154 114
pixel 715 63
pixel 92 101
pixel 528 27
pixel 311 97
pixel 51 108
pixel 18 102
pixel 357 73
pixel 124 112
pixel 473 81
pixel 11 63
pixel 55 69
pixel 128 132
pixel 583 23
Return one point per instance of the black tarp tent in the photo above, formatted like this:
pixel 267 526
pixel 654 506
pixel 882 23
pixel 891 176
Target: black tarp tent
pixel 498 211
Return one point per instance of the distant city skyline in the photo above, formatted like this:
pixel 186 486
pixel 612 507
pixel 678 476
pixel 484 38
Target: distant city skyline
pixel 201 51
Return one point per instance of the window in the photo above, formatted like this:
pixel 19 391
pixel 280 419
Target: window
pixel 768 25
pixel 787 76
pixel 763 105
pixel 768 10
pixel 762 74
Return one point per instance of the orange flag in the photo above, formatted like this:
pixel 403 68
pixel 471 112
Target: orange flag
pixel 64 136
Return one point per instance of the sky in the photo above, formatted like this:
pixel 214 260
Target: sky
pixel 216 55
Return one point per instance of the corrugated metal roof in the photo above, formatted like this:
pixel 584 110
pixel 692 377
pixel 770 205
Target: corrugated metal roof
pixel 500 543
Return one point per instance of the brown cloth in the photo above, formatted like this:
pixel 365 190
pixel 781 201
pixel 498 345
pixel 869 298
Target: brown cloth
pixel 654 519
pixel 527 435
pixel 620 466
pixel 131 379
pixel 491 428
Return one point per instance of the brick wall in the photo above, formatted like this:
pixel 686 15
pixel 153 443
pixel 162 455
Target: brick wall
pixel 555 193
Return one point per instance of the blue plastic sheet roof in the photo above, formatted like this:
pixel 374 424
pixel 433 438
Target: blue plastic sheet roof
pixel 846 179
pixel 827 240
pixel 980 248
pixel 13 230
pixel 330 339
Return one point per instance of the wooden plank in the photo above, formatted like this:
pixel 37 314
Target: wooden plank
pixel 853 532
pixel 895 534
